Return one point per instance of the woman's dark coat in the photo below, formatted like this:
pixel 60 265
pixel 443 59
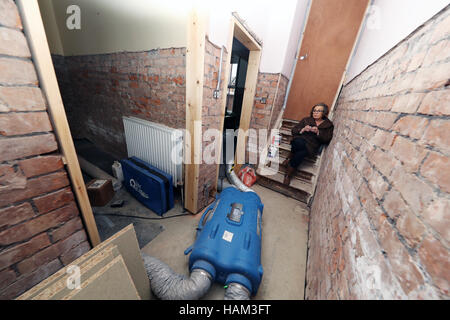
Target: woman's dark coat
pixel 313 141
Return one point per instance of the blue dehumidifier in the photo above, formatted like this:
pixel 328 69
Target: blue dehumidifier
pixel 228 244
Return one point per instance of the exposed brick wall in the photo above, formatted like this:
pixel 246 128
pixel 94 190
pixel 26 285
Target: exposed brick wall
pixel 380 224
pixel 271 86
pixel 211 118
pixel 40 227
pixel 279 100
pixel 149 85
pixel 266 87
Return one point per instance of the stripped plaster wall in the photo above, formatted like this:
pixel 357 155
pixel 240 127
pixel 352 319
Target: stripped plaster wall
pixel 388 23
pixel 380 221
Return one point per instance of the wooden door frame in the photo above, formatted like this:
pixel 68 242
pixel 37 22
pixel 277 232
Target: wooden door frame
pixel 237 30
pixel 195 66
pixel 37 40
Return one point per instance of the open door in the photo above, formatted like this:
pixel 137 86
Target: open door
pixel 328 42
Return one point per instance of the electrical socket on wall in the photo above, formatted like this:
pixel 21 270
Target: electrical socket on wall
pixel 262 100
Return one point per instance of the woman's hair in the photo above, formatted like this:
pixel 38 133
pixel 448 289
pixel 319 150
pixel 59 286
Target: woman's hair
pixel 325 109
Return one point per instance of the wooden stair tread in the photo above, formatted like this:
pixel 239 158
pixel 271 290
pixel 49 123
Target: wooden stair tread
pixel 285 132
pixel 298 195
pixel 290 121
pixel 300 175
pixel 306 166
pixel 285 146
pixel 303 183
pixel 278 177
pixel 288 126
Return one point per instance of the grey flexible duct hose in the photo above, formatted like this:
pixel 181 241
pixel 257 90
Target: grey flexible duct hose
pixel 236 291
pixel 234 179
pixel 168 285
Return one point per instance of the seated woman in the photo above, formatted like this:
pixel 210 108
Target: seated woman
pixel 308 135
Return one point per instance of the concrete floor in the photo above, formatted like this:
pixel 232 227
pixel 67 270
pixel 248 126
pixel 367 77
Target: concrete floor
pixel 284 246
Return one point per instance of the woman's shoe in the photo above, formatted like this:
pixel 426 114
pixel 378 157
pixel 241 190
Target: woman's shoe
pixel 290 172
pixel 286 162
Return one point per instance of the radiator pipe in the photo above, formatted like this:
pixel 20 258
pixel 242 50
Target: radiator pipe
pixel 219 77
pixel 169 285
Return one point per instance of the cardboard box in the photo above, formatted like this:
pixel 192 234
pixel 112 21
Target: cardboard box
pixel 100 192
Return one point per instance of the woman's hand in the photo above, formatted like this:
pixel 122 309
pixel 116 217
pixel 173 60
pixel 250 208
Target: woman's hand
pixel 307 128
pixel 310 129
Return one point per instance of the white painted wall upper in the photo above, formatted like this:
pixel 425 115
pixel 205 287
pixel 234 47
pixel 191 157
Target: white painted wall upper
pixel 51 28
pixel 278 24
pixel 297 30
pixel 389 22
pixel 136 25
pixel 116 25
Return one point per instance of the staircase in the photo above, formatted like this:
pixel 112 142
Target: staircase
pixel 303 183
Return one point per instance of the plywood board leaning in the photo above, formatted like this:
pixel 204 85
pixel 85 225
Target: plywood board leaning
pixel 62 272
pixel 128 247
pixel 112 282
pixel 60 289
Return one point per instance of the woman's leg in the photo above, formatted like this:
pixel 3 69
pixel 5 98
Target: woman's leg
pixel 294 146
pixel 299 152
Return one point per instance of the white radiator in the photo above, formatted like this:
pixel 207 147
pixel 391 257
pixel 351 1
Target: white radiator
pixel 156 144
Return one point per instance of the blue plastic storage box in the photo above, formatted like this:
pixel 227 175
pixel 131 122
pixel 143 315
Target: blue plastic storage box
pixel 151 186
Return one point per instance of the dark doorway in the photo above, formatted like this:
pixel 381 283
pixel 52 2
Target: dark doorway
pixel 235 95
pixel 236 85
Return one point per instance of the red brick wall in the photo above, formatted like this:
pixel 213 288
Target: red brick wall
pixel 149 85
pixel 279 100
pixel 271 86
pixel 380 225
pixel 211 118
pixel 40 227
